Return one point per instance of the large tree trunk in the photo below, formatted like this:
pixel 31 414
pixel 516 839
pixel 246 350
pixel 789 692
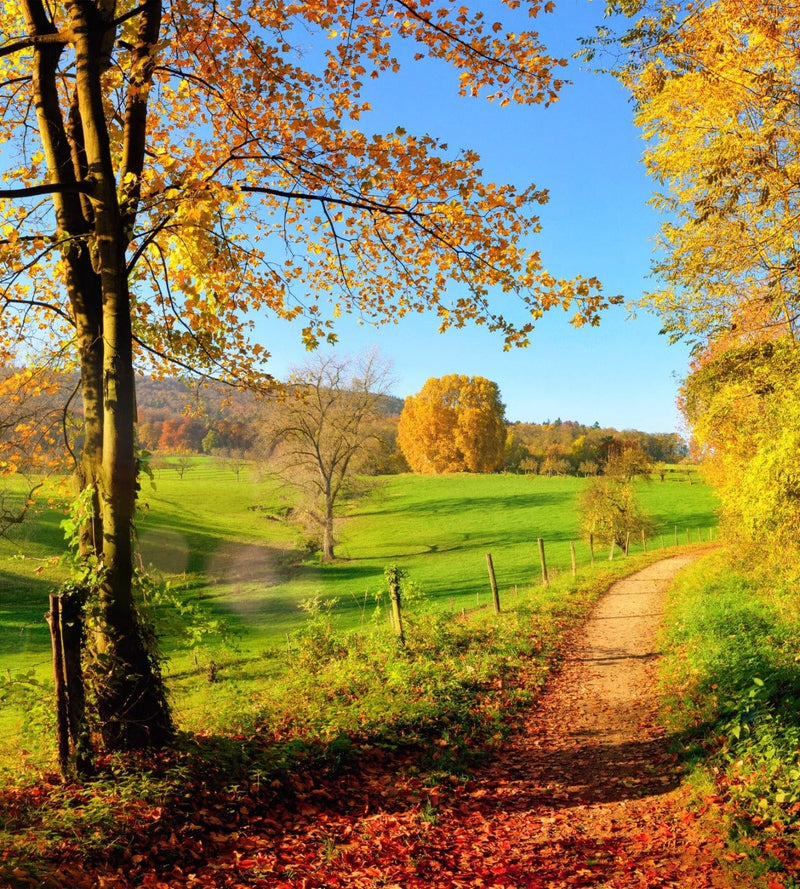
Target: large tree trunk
pixel 130 696
pixel 131 703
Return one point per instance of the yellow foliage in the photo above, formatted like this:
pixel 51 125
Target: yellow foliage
pixel 238 166
pixel 715 86
pixel 453 424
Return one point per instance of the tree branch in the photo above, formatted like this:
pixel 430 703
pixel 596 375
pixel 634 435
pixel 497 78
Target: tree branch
pixel 58 38
pixel 31 191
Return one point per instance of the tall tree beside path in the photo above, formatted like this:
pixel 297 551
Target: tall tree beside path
pixel 320 434
pixel 454 423
pixel 173 169
pixel 715 89
pixel 714 86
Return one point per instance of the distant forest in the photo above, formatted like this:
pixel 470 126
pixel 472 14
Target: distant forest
pixel 177 417
pixel 174 417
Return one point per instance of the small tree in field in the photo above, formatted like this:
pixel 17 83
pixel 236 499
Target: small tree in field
pixel 608 507
pixel 320 435
pixel 609 510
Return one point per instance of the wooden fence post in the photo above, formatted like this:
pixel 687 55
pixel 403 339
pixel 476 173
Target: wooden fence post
pixel 493 583
pixel 65 619
pixel 72 633
pixel 545 579
pixel 62 718
pixel 574 561
pixel 591 548
pixel 393 575
pixel 644 540
pixel 611 551
pixel 627 542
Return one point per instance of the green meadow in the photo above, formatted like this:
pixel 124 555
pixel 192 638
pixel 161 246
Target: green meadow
pixel 237 571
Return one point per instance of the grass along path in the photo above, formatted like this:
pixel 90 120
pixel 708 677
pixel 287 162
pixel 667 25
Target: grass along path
pixel 224 545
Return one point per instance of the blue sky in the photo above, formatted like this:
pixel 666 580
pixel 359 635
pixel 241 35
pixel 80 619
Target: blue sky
pixel 587 152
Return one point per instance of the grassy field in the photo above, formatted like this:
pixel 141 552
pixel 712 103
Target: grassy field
pixel 228 555
pixel 293 690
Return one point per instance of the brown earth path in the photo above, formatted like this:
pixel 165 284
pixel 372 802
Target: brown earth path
pixel 586 794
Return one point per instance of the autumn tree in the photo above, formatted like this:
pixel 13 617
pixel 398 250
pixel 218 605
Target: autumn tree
pixel 35 421
pixel 744 405
pixel 608 507
pixel 609 510
pixel 323 431
pixel 454 424
pixel 35 426
pixel 715 89
pixel 629 463
pixel 173 169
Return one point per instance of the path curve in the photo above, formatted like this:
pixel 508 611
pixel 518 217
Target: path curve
pixel 587 794
pixel 589 791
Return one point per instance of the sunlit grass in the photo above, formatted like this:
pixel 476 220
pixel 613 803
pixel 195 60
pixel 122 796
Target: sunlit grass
pixel 225 549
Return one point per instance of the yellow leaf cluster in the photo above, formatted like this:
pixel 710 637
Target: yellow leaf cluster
pixel 261 192
pixel 454 423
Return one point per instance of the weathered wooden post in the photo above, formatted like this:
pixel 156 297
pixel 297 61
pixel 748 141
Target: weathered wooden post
pixel 73 599
pixel 611 551
pixel 574 561
pixel 545 579
pixel 644 540
pixel 591 548
pixel 62 719
pixel 393 576
pixel 627 542
pixel 65 619
pixel 493 583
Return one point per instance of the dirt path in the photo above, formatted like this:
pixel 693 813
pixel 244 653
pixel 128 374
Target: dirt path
pixel 587 795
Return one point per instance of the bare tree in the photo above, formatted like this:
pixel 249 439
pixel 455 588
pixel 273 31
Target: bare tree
pixel 322 433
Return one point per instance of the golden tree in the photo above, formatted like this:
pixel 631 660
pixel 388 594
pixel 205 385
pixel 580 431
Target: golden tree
pixel 715 91
pixel 173 169
pixel 454 424
pixel 715 85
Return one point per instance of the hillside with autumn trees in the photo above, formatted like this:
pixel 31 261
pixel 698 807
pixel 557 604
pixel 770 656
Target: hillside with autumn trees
pixel 177 416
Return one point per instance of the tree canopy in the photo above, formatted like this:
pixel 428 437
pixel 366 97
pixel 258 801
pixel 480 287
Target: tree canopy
pixel 715 90
pixel 454 424
pixel 234 146
pixel 715 87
